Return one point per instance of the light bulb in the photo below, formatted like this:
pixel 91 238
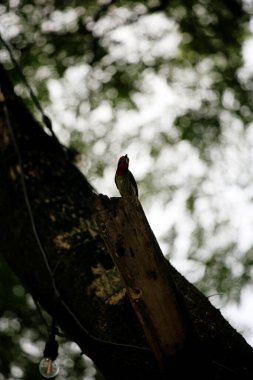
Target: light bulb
pixel 48 368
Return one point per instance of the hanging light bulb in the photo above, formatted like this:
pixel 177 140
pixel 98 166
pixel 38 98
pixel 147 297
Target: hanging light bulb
pixel 48 366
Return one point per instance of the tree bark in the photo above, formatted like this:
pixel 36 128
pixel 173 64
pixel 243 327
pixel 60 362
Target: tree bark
pixel 141 265
pixel 61 255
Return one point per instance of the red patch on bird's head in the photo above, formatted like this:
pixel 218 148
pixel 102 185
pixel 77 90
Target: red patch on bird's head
pixel 123 163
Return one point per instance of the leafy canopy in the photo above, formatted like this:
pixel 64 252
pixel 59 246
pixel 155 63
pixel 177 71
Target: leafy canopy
pixel 167 83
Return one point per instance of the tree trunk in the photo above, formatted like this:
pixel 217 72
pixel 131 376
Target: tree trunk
pixel 51 236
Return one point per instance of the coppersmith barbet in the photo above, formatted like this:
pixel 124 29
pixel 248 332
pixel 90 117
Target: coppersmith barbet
pixel 124 179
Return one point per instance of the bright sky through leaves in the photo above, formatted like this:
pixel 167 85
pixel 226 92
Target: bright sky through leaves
pixel 200 209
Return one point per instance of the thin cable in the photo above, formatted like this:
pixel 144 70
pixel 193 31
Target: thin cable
pixel 23 184
pixel 46 120
pixel 43 253
pixel 223 367
pixel 43 319
pixel 40 313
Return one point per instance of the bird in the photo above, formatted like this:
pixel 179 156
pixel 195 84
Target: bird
pixel 124 179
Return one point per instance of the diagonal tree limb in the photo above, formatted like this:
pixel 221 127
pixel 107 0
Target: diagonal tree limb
pixel 83 289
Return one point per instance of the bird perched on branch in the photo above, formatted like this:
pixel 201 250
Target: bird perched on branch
pixel 124 179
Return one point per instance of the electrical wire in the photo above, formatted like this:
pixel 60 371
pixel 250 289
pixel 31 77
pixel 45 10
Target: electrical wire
pixel 41 248
pixel 46 120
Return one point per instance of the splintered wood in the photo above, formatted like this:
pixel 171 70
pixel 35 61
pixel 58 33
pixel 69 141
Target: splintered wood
pixel 142 266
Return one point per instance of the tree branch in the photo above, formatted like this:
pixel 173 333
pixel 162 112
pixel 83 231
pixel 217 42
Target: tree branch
pixel 83 289
pixel 141 264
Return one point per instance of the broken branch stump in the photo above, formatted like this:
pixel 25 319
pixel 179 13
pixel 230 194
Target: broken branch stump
pixel 141 264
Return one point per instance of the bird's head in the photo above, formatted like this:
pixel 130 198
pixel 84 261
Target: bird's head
pixel 123 162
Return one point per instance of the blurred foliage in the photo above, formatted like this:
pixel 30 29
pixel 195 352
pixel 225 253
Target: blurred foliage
pixel 98 68
pixel 23 333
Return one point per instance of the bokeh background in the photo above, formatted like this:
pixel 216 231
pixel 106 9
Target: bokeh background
pixel 170 84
